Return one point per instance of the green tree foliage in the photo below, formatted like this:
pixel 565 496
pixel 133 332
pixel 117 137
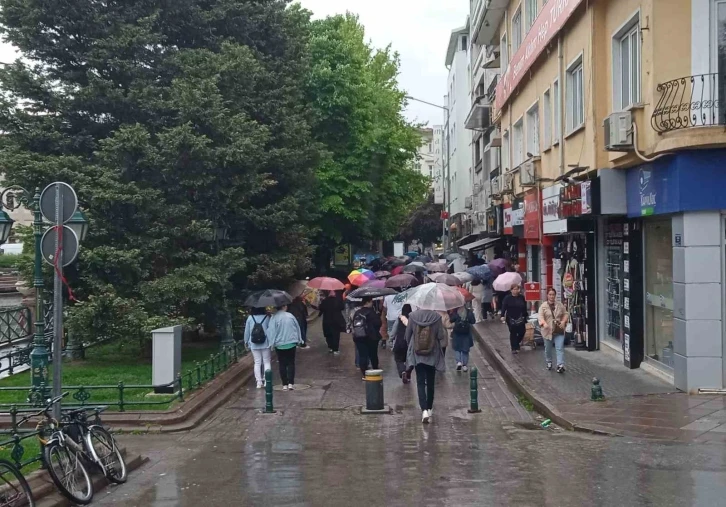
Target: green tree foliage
pixel 366 180
pixel 168 118
pixel 424 223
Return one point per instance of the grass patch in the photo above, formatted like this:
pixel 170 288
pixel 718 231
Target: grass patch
pixel 524 401
pixel 108 364
pixel 31 449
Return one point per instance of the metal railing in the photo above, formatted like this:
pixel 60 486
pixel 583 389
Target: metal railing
pixel 688 102
pixel 15 324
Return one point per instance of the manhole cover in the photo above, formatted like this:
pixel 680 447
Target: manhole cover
pixel 298 387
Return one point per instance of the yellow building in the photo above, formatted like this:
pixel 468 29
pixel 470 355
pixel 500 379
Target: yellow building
pixel 610 115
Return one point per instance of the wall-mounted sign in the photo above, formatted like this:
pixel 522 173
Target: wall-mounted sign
pixel 551 221
pixel 508 218
pixel 532 291
pixel 531 215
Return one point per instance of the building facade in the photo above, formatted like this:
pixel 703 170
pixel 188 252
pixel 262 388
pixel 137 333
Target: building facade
pixel 426 159
pixel 610 124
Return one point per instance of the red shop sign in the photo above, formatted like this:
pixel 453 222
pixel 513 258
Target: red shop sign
pixel 508 219
pixel 550 20
pixel 531 291
pixel 444 215
pixel 531 215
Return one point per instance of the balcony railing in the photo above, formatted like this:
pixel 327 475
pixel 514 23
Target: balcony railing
pixel 688 102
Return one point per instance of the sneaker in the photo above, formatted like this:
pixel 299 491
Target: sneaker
pixel 560 368
pixel 291 387
pixel 336 353
pixel 465 368
pixel 458 366
pixel 259 385
pixel 303 346
pixel 284 388
pixel 515 352
pixel 425 417
pixel 549 365
pixel 330 351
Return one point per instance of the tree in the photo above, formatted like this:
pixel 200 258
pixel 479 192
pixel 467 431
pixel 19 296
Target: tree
pixel 365 178
pixel 170 119
pixel 424 223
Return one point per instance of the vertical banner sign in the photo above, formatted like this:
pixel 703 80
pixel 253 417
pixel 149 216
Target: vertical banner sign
pixel 508 219
pixel 531 215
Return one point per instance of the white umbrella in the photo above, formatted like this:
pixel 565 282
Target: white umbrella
pixel 464 276
pixel 435 296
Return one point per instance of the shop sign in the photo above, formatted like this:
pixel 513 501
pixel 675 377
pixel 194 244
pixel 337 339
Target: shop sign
pixel 531 215
pixel 551 221
pixel 518 214
pixel 508 218
pixel 494 220
pixel 532 291
pixel 342 255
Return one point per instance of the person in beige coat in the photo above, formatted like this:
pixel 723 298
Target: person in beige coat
pixel 553 319
pixel 448 326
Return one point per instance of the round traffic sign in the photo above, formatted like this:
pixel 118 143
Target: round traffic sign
pixel 57 198
pixel 50 249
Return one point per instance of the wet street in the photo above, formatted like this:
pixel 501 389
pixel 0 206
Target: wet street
pixel 319 450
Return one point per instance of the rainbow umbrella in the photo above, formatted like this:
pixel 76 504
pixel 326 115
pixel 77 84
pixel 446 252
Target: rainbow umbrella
pixel 360 276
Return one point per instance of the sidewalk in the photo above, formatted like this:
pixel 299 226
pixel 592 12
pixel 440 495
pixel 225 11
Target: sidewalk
pixel 637 403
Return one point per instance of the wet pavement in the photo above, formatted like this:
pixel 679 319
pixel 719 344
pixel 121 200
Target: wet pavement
pixel 318 450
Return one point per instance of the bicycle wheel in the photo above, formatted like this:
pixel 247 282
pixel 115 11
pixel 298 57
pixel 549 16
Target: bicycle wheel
pixel 107 454
pixel 14 489
pixel 68 473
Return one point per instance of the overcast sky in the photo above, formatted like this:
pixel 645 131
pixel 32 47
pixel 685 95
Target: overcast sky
pixel 418 29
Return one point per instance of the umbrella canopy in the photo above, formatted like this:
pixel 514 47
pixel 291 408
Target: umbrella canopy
pixel 424 258
pixel 434 276
pixel 482 273
pixel 448 280
pixel 360 276
pixel 326 283
pixel 436 267
pixel 498 266
pixel 402 281
pixel 297 288
pixel 413 255
pixel 397 270
pixel 392 263
pixel 371 292
pixel 452 257
pixel 414 268
pixel 375 283
pixel 382 274
pixel 468 296
pixel 506 281
pixel 464 277
pixel 435 296
pixel 269 297
pixel 417 263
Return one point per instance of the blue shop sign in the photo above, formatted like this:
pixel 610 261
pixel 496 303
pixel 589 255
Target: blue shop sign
pixel 689 181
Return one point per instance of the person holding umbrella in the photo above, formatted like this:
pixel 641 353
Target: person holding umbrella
pixel 400 347
pixel 331 309
pixel 285 336
pixel 514 313
pixel 462 339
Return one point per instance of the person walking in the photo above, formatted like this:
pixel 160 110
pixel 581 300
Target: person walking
pixel 514 313
pixel 477 290
pixel 553 317
pixel 486 299
pixel 257 342
pixel 462 339
pixel 331 309
pixel 299 310
pixel 285 336
pixel 392 306
pixel 366 335
pixel 425 335
pixel 448 326
pixel 399 345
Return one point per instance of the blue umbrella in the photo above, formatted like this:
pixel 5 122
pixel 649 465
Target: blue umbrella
pixel 413 255
pixel 482 273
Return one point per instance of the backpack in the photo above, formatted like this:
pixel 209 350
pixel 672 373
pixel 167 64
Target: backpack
pixel 258 335
pixel 462 325
pixel 423 341
pixel 360 326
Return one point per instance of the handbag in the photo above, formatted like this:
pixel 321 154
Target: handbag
pixel 556 323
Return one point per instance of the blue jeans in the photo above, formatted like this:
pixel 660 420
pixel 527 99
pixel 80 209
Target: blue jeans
pixel 462 357
pixel 558 342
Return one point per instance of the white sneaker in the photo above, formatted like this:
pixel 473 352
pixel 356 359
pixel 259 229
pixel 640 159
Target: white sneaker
pixel 284 388
pixel 465 368
pixel 259 385
pixel 291 387
pixel 425 417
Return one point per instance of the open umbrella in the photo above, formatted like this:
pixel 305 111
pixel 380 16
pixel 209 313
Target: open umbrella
pixel 269 297
pixel 482 273
pixel 498 266
pixel 326 283
pixel 464 277
pixel 371 292
pixel 434 276
pixel 417 263
pixel 506 281
pixel 375 283
pixel 435 296
pixel 414 268
pixel 448 280
pixel 382 274
pixel 397 270
pixel 436 267
pixel 360 276
pixel 402 281
pixel 452 257
pixel 297 288
pixel 424 258
pixel 468 296
pixel 413 255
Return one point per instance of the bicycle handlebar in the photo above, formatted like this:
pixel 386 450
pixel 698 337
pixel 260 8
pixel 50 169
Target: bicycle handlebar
pixel 44 410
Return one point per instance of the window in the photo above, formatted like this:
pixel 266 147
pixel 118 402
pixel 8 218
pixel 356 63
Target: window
pixel 504 53
pixel 463 43
pixel 547 105
pixel 533 130
pixel 505 151
pixel 575 101
pixel 516 30
pixel 431 171
pixel 557 113
pixel 626 65
pixel 518 146
pixel 531 12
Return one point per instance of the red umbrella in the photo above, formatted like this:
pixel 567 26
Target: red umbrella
pixel 397 270
pixel 468 296
pixel 326 283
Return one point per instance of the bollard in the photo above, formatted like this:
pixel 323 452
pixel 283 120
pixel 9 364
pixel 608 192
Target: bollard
pixel 374 390
pixel 474 391
pixel 596 393
pixel 268 392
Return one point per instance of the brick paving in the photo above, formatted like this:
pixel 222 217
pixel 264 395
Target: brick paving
pixel 637 403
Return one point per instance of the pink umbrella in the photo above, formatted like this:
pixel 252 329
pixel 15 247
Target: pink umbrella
pixel 326 283
pixel 402 281
pixel 378 284
pixel 506 281
pixel 397 270
pixel 382 274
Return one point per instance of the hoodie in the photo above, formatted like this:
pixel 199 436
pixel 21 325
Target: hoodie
pixel 283 330
pixel 426 318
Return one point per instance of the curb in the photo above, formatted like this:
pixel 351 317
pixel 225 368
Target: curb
pixel 542 406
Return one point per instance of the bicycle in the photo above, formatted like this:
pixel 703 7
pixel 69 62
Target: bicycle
pixel 14 493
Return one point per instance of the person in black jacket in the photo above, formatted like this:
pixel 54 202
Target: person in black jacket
pixel 367 345
pixel 400 346
pixel 331 309
pixel 299 310
pixel 514 313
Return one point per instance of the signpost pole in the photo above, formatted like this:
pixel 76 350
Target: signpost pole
pixel 58 302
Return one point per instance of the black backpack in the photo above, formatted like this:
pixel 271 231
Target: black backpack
pixel 360 326
pixel 462 325
pixel 258 335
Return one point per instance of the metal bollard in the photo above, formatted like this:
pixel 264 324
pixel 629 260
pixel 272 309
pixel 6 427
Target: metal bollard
pixel 473 391
pixel 374 390
pixel 268 392
pixel 596 393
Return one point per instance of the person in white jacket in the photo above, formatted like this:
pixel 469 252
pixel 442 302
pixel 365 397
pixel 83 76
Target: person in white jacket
pixel 477 290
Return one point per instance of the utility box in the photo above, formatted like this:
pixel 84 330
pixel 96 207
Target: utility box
pixel 166 358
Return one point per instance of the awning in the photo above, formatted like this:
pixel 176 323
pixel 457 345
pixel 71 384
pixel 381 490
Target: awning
pixel 480 116
pixel 467 239
pixel 479 245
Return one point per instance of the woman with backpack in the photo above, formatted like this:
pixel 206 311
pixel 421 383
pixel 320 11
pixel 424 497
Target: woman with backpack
pixel 400 347
pixel 331 309
pixel 285 336
pixel 514 313
pixel 462 339
pixel 366 335
pixel 256 342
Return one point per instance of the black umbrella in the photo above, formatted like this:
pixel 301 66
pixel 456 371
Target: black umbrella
pixel 371 292
pixel 424 259
pixel 269 297
pixel 414 268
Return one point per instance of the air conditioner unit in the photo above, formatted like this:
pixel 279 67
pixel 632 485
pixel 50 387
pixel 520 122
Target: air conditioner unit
pixel 468 202
pixel 508 182
pixel 527 176
pixel 496 186
pixel 619 131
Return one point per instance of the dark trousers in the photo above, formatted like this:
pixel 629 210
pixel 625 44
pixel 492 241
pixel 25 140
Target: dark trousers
pixel 425 377
pixel 332 338
pixel 286 358
pixel 516 333
pixel 486 309
pixel 500 299
pixel 400 357
pixel 304 331
pixel 367 354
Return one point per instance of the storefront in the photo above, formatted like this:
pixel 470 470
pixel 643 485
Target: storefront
pixel 516 245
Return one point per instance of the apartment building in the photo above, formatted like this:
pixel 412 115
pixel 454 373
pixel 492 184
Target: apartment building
pixel 610 119
pixel 425 159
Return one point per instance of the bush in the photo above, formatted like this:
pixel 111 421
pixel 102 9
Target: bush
pixel 13 261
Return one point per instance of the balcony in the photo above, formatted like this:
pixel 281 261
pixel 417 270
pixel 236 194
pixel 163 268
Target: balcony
pixel 690 102
pixel 485 26
pixel 480 115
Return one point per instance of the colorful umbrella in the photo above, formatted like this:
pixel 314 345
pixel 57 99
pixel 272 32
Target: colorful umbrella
pixel 379 284
pixel 435 296
pixel 464 277
pixel 436 267
pixel 360 276
pixel 382 274
pixel 498 266
pixel 506 281
pixel 326 283
pixel 448 280
pixel 402 281
pixel 468 296
pixel 417 263
pixel 482 273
